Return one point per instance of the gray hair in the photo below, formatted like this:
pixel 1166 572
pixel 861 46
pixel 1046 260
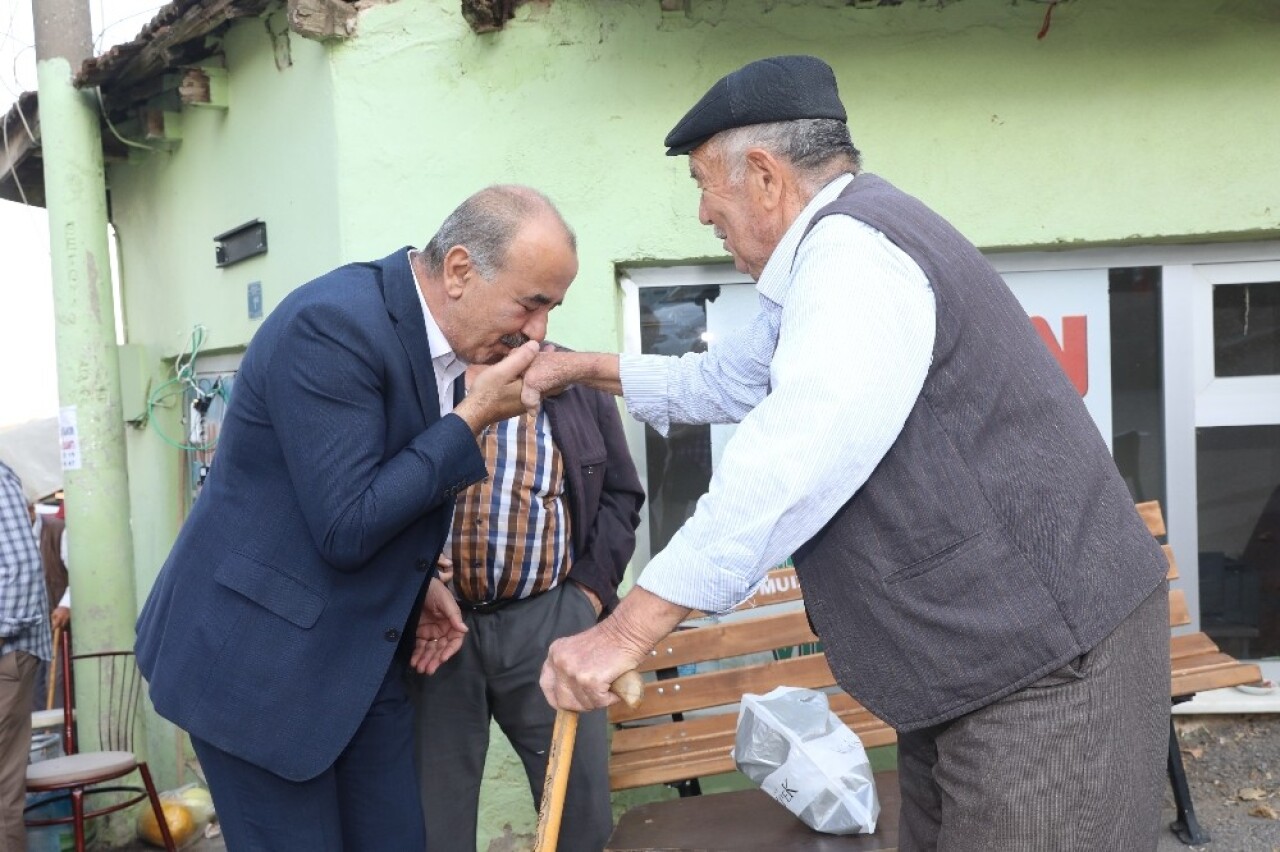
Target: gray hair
pixel 486 223
pixel 818 148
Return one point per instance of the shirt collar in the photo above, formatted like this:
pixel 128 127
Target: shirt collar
pixel 777 272
pixel 442 354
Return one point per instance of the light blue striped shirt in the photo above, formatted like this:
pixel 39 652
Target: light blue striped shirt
pixel 820 383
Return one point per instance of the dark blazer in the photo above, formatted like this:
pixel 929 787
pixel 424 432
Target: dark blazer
pixel 273 622
pixel 604 490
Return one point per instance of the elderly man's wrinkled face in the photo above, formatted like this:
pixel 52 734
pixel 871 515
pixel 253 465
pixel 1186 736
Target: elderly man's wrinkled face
pixel 495 315
pixel 728 208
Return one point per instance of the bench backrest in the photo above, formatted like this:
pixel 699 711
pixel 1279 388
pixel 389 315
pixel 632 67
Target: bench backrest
pixel 1197 663
pixel 1179 615
pixel 770 627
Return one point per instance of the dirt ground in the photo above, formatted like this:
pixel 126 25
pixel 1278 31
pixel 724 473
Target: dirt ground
pixel 1233 767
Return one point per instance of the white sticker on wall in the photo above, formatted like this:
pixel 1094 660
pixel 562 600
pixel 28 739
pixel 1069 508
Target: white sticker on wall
pixel 69 437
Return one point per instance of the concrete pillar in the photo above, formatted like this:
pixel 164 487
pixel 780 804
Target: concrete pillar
pixel 100 558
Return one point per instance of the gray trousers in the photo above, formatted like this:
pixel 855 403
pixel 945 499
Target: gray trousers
pixel 17 675
pixel 1074 761
pixel 495 675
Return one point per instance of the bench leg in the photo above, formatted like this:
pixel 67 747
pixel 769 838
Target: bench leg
pixel 1185 826
pixel 687 787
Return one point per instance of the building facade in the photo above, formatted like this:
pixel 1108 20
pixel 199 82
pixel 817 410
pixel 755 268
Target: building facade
pixel 1116 160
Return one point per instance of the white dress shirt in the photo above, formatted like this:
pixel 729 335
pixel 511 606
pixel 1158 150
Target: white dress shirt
pixel 821 383
pixel 444 362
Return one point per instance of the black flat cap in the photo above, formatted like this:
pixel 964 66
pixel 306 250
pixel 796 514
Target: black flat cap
pixel 781 88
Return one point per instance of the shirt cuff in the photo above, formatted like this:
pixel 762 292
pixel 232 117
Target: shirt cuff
pixel 683 576
pixel 644 387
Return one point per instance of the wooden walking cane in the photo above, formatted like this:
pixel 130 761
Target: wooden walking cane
pixel 630 688
pixel 53 668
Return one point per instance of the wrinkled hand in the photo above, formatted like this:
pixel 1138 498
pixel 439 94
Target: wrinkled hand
pixel 440 630
pixel 580 669
pixel 544 377
pixel 496 393
pixel 60 617
pixel 444 569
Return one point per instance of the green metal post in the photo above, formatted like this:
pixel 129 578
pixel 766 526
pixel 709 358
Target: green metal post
pixel 100 557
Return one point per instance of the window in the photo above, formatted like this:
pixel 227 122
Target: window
pixel 1246 329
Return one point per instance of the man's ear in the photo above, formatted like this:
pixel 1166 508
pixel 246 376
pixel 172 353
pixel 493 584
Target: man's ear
pixel 456 270
pixel 765 178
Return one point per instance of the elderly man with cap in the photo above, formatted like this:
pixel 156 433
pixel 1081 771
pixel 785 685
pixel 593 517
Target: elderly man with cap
pixel 968 553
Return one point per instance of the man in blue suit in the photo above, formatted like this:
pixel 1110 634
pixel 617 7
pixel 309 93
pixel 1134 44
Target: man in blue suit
pixel 302 584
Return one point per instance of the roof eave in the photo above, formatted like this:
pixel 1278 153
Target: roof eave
pixel 21 167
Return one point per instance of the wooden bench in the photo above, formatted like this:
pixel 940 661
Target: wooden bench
pixel 685 727
pixel 1197 664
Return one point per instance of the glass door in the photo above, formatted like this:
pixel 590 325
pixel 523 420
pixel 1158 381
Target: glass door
pixel 674 311
pixel 1227 318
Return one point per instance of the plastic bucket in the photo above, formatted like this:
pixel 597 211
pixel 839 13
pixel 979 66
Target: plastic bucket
pixel 54 838
pixel 46 838
pixel 45 747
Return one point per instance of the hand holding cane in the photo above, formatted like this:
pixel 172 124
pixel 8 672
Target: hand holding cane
pixel 630 688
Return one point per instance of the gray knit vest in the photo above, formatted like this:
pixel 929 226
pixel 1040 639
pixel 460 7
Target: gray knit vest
pixel 995 541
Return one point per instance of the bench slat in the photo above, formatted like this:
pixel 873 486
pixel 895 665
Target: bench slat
pixel 710 756
pixel 1198 664
pixel 624 778
pixel 700 729
pixel 1214 674
pixel 1179 615
pixel 727 686
pixel 720 641
pixel 1152 516
pixel 665 753
pixel 1189 645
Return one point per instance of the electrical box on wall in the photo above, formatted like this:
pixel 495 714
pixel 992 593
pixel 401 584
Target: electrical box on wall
pixel 248 240
pixel 205 406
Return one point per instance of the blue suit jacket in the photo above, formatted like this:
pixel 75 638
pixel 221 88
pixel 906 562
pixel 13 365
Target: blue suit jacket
pixel 275 617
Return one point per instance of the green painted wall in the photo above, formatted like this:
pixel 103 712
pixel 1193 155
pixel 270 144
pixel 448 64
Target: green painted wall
pixel 1132 122
pixel 1136 121
pixel 271 156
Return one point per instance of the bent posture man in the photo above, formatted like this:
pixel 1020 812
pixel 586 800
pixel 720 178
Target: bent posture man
pixel 538 550
pixel 279 628
pixel 968 553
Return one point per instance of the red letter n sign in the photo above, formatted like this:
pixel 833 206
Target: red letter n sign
pixel 1073 353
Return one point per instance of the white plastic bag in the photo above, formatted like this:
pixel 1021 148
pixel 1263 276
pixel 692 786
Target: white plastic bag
pixel 187 810
pixel 800 753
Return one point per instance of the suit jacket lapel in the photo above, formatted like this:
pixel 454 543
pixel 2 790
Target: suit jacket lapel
pixel 400 291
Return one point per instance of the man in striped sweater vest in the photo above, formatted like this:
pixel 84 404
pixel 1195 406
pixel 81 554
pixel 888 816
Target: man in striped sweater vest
pixel 537 550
